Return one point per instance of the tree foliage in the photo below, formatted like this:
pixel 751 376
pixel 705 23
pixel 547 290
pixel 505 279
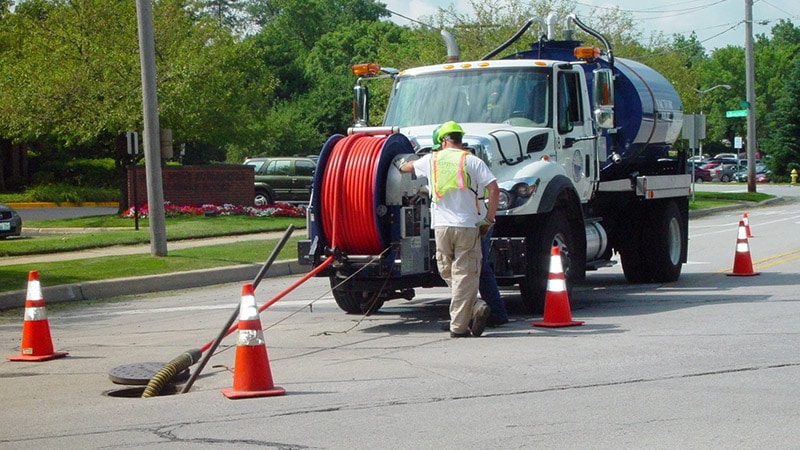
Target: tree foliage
pixel 238 78
pixel 783 139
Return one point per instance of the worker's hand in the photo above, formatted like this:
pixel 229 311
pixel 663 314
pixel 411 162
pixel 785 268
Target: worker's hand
pixel 484 226
pixel 403 160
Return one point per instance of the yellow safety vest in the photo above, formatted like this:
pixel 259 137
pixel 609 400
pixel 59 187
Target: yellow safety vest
pixel 448 171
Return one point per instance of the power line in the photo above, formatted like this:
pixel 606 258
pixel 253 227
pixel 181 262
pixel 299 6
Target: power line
pixel 665 13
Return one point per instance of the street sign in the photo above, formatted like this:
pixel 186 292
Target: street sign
pixel 736 113
pixel 694 128
pixel 744 104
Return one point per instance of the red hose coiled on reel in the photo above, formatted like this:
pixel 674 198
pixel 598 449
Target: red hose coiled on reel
pixel 349 221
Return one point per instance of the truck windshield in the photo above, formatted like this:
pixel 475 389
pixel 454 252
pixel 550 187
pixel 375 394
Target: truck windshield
pixel 518 96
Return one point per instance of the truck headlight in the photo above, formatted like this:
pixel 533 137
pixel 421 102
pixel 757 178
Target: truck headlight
pixel 515 193
pixel 505 200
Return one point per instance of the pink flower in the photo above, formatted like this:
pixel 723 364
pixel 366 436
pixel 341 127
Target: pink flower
pixel 170 210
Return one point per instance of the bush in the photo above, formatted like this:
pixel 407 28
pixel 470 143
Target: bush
pixel 97 173
pixel 65 193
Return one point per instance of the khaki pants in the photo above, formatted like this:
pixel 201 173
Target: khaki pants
pixel 458 256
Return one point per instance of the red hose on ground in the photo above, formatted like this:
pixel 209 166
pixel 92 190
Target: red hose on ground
pixel 272 301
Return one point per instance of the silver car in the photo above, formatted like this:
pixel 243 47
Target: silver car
pixel 10 222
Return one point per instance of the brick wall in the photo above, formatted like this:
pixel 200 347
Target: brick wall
pixel 196 185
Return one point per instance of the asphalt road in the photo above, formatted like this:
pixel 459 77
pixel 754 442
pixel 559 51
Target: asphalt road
pixel 68 212
pixel 709 361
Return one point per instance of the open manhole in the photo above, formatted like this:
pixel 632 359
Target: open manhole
pixel 138 376
pixel 137 391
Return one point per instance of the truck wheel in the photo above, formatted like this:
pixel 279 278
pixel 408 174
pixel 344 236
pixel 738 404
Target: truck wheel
pixel 632 247
pixel 356 302
pixel 665 241
pixel 263 198
pixel 554 231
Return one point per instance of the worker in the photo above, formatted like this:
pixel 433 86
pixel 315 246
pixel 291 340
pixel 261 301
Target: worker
pixel 455 177
pixel 490 292
pixel 488 289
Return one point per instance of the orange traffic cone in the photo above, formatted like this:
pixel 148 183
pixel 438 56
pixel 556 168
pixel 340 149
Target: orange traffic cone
pixel 742 265
pixel 556 301
pixel 251 374
pixel 747 225
pixel 37 345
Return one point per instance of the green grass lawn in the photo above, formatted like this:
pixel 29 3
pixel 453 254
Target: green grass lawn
pixel 709 200
pixel 112 230
pixel 15 277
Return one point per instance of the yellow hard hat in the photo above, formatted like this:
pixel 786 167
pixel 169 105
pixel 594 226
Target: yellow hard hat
pixel 449 128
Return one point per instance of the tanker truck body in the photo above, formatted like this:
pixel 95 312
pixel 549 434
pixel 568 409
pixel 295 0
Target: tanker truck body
pixel 578 140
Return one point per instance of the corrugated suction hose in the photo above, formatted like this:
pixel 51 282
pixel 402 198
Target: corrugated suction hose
pixel 170 369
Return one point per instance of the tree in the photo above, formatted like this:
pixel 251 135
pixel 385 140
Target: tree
pixel 70 75
pixel 783 141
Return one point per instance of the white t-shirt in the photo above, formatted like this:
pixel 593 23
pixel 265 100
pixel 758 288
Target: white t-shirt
pixel 458 207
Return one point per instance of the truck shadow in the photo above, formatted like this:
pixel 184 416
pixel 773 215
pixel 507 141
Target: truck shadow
pixel 599 297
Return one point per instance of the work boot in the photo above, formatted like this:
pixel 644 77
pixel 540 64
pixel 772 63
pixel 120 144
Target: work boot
pixel 479 319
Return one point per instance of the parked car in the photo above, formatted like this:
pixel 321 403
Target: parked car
pixel 721 170
pixel 732 156
pixel 700 175
pixel 697 160
pixel 282 179
pixel 10 222
pixel 741 174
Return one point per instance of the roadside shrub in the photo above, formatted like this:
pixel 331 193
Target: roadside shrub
pixel 98 173
pixel 66 193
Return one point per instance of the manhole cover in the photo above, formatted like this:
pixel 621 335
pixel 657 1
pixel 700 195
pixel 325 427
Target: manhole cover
pixel 141 373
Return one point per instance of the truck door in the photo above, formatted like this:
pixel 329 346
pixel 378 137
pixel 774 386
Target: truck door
pixel 574 131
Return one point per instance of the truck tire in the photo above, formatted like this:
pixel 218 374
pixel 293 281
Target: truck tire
pixel 555 230
pixel 355 301
pixel 633 246
pixel 665 241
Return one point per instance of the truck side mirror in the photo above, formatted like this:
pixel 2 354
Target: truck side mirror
pixel 360 105
pixel 603 97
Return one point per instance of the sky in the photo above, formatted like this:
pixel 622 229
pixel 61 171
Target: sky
pixel 717 23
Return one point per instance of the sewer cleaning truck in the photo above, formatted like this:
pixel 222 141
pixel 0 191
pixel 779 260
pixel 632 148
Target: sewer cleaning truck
pixel 578 139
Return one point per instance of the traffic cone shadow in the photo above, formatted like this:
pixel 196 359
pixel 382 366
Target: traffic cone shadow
pixel 36 345
pixel 252 376
pixel 556 301
pixel 742 264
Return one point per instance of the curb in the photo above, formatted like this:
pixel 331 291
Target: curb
pixel 709 211
pixel 104 289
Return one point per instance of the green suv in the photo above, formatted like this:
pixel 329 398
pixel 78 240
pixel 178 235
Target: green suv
pixel 285 179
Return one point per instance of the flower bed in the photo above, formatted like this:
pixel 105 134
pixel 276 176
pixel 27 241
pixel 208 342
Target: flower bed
pixel 274 210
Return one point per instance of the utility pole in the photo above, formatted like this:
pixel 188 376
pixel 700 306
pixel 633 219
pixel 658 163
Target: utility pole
pixel 751 95
pixel 151 139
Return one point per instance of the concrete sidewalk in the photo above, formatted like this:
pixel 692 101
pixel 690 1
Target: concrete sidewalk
pixel 95 290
